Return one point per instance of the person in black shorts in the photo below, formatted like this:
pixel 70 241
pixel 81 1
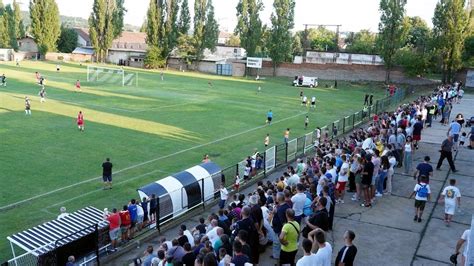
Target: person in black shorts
pixel 107 174
pixel 3 78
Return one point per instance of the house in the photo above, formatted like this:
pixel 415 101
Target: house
pixel 225 52
pixel 83 39
pixel 27 48
pixel 223 37
pixel 129 49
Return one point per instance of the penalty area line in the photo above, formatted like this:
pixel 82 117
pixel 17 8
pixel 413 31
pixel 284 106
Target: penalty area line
pixel 11 205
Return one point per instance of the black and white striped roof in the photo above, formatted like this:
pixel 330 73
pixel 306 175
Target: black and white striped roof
pixel 41 239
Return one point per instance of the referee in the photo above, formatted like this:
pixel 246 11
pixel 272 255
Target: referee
pixel 107 173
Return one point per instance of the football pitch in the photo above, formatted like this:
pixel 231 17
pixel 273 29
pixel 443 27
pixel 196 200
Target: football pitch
pixel 149 131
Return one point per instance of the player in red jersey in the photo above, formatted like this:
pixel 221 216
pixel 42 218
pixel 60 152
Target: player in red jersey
pixel 80 121
pixel 78 86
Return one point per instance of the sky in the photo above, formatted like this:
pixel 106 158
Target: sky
pixel 353 15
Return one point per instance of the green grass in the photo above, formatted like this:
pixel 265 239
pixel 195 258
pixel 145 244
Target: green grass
pixel 170 124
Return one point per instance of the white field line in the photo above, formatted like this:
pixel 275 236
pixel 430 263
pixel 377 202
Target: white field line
pixel 8 206
pixel 97 190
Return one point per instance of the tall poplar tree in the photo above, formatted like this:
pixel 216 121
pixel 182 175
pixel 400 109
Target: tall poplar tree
pixel 199 27
pixel 170 27
pixel 20 27
pixel 211 29
pixel 11 27
pixel 45 24
pixel 391 31
pixel 101 27
pixel 450 28
pixel 280 41
pixel 249 25
pixel 117 17
pixel 4 38
pixel 184 22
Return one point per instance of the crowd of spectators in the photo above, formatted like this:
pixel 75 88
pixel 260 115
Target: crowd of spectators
pixel 301 203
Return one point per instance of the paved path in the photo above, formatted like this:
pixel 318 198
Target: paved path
pixel 386 233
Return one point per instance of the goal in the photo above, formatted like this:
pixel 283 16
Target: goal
pixel 100 74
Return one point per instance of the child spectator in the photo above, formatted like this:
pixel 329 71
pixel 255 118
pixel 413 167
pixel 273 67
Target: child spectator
pixel 452 200
pixel 422 194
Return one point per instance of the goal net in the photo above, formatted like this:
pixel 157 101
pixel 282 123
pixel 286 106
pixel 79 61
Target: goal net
pixel 109 75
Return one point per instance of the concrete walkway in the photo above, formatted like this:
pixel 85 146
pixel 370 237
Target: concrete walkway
pixel 386 233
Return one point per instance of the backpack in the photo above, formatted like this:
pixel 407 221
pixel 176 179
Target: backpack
pixel 422 192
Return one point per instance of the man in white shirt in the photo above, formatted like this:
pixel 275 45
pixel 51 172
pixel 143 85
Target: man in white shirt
pixel 63 213
pixel 464 239
pixel 368 143
pixel 309 258
pixel 215 233
pixel 342 180
pixel 452 199
pixel 224 196
pixel 140 216
pixel 294 179
pixel 299 200
pixel 324 255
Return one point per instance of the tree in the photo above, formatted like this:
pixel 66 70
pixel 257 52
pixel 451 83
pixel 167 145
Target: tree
pixel 296 47
pixel 11 27
pixel 20 27
pixel 184 22
pixel 363 42
pixel 4 36
pixel 391 31
pixel 233 41
pixel 419 34
pixel 117 17
pixel 450 28
pixel 322 39
pixel 101 27
pixel 153 58
pixel 249 25
pixel 186 48
pixel 45 25
pixel 279 43
pixel 161 30
pixel 413 62
pixel 211 29
pixel 67 40
pixel 199 23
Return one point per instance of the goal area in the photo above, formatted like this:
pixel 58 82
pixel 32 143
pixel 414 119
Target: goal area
pixel 99 74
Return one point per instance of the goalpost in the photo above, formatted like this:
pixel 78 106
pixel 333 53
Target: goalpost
pixel 101 74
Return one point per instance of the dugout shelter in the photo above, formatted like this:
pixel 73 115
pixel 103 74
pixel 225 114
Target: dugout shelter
pixel 81 233
pixel 184 190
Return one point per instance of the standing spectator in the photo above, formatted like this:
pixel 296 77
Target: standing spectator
pixel 279 219
pixel 407 155
pixel 153 205
pixel 114 227
pixel 324 255
pixel 107 173
pixel 392 161
pixel 452 200
pixel 320 219
pixel 148 256
pixel 132 209
pixel 465 238
pixel 454 130
pixel 145 203
pixel 189 257
pixel 447 152
pixel 424 169
pixel 383 172
pixel 309 258
pixel 299 199
pixel 417 128
pixel 342 180
pixel 347 254
pixel 286 135
pixel 422 195
pixel 125 223
pixel 140 217
pixel 366 180
pixel 289 239
pixel 224 196
pixel 239 258
pixel 70 261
